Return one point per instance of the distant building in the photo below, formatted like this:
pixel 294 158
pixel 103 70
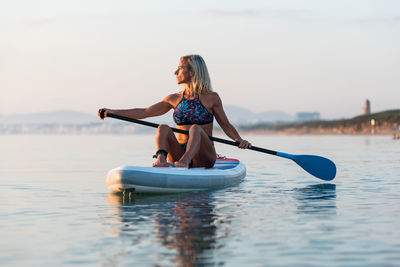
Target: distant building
pixel 307 116
pixel 367 107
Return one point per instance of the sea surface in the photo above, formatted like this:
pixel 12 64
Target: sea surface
pixel 55 209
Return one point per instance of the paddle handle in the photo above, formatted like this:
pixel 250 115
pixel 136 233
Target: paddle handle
pixel 212 138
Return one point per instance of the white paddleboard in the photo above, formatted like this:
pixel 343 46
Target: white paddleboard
pixel 226 172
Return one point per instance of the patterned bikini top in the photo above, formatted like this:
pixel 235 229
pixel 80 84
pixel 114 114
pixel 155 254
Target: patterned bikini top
pixel 192 111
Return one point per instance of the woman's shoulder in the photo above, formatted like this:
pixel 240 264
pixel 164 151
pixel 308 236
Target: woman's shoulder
pixel 211 95
pixel 173 98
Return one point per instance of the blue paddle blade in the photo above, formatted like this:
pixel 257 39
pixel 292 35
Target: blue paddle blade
pixel 320 167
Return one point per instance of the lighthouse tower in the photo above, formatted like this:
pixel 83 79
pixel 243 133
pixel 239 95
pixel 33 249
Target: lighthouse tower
pixel 367 107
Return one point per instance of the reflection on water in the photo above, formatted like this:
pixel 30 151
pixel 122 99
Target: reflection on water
pixel 318 198
pixel 184 224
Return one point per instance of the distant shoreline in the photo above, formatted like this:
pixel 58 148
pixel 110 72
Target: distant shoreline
pixel 382 123
pixel 311 131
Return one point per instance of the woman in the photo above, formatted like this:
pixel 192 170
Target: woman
pixel 195 107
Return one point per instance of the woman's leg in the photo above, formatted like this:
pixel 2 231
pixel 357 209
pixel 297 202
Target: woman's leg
pixel 199 149
pixel 166 140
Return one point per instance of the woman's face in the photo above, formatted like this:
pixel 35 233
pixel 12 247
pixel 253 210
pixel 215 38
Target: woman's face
pixel 183 73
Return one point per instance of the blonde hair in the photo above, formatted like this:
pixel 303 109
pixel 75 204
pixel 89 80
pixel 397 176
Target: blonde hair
pixel 201 79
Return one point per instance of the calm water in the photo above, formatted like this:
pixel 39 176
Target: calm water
pixel 56 209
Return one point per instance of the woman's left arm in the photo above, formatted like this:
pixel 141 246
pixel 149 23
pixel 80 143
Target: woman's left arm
pixel 226 126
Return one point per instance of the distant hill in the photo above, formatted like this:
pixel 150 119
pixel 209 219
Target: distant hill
pixel 243 116
pixel 58 117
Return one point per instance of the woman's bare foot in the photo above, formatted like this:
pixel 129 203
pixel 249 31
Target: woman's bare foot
pixel 181 164
pixel 161 162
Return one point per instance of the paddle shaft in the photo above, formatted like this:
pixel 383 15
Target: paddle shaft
pixel 212 138
pixel 320 167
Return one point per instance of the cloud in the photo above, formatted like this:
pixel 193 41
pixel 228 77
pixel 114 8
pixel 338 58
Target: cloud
pixel 388 20
pixel 48 21
pixel 272 13
pixel 234 13
pixel 304 15
pixel 42 22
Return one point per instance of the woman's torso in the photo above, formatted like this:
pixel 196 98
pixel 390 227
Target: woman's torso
pixel 205 100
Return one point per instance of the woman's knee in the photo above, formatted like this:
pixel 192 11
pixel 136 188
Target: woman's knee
pixel 164 128
pixel 195 128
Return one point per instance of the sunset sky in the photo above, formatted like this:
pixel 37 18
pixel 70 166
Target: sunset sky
pixel 287 55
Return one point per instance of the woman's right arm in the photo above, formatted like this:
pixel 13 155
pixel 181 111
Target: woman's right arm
pixel 157 109
pixel 226 126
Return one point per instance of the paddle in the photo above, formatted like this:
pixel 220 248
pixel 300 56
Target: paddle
pixel 320 167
